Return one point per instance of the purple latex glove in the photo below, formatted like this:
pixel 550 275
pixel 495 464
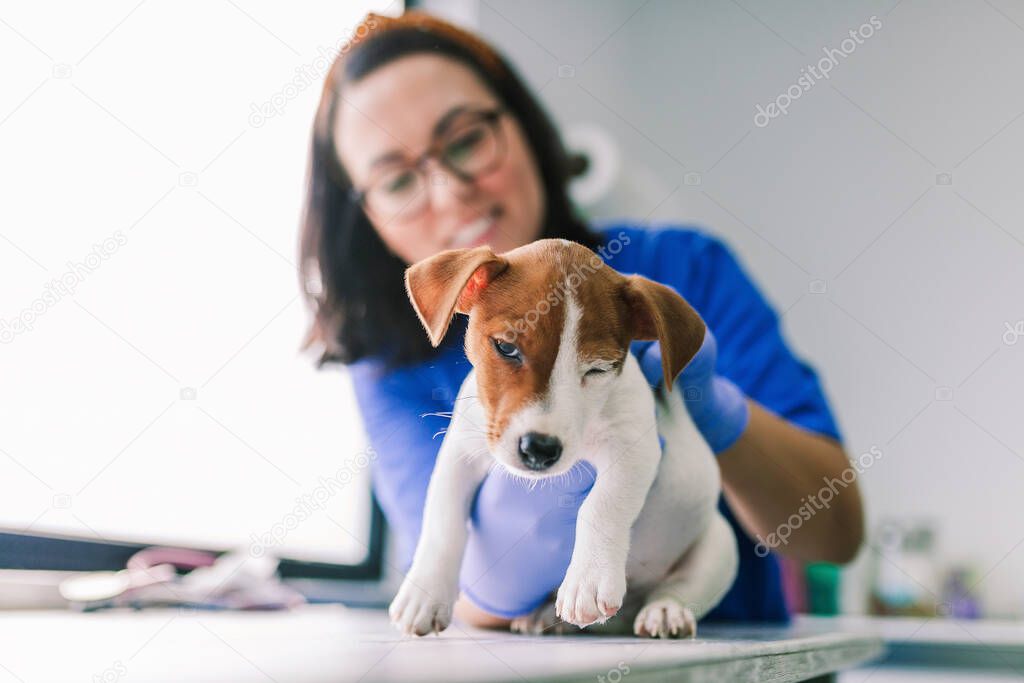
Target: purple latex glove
pixel 718 407
pixel 521 539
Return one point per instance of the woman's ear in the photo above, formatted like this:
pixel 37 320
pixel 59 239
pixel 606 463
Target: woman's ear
pixel 450 283
pixel 658 312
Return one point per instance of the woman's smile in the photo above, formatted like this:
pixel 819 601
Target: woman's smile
pixel 479 231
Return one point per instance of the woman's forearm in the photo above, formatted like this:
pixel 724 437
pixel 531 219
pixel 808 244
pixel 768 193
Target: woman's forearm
pixel 787 489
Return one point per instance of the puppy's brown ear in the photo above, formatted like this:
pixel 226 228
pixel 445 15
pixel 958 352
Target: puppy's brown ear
pixel 657 312
pixel 450 283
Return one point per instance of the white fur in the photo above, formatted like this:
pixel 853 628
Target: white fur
pixel 650 522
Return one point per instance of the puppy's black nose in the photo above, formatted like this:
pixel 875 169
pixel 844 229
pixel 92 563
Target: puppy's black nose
pixel 539 451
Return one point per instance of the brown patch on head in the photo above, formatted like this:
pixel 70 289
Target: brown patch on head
pixel 520 297
pixel 604 329
pixel 524 307
pixel 618 309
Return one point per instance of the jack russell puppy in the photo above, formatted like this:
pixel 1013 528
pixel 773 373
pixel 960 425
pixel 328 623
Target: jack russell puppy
pixel 649 538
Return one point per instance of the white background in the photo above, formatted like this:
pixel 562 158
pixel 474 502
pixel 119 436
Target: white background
pixel 131 121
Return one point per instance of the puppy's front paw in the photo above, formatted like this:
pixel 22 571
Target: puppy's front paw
pixel 665 618
pixel 422 606
pixel 590 595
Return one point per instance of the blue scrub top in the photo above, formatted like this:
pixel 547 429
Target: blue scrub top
pixel 751 352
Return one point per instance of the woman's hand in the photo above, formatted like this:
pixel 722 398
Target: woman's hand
pixel 772 467
pixel 718 407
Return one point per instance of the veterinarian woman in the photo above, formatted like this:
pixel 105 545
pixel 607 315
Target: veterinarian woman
pixel 425 140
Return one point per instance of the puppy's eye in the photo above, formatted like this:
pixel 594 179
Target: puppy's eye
pixel 507 350
pixel 602 369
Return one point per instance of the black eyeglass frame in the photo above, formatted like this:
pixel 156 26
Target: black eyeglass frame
pixel 490 116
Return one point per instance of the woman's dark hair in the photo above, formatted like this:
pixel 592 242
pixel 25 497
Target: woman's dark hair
pixel 352 281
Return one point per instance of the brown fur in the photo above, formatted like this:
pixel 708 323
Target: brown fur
pixel 504 292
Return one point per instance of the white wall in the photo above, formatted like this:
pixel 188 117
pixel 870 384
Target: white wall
pixel 920 278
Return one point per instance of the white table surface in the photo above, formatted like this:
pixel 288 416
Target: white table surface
pixel 334 643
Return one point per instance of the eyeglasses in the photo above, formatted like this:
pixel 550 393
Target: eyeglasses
pixel 471 145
